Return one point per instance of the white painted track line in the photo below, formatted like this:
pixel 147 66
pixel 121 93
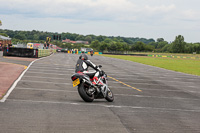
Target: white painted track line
pixel 19 78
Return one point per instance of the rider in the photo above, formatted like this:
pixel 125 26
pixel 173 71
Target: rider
pixel 82 67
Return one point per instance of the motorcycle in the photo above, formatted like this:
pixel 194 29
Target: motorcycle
pixel 88 91
pixel 91 53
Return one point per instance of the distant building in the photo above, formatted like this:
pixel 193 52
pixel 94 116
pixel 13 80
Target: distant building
pixel 4 41
pixel 73 42
pixel 67 40
pixel 83 42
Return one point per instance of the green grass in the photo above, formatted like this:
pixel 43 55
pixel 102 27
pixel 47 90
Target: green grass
pixel 189 66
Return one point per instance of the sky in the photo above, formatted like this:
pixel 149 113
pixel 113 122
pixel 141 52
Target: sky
pixel 126 18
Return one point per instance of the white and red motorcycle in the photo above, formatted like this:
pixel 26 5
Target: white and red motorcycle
pixel 88 91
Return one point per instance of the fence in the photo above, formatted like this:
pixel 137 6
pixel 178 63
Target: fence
pixel 45 52
pixel 26 52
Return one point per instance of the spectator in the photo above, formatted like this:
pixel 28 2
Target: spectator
pixel 0 46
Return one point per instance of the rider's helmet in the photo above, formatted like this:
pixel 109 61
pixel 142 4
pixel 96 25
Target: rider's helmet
pixel 83 56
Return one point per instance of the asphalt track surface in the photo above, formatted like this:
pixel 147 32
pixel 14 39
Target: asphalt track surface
pixel 10 69
pixel 147 100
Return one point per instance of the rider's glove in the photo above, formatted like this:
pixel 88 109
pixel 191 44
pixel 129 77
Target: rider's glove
pixel 102 73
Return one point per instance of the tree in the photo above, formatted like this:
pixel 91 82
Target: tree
pixel 112 46
pixel 167 48
pixel 42 37
pixel 100 38
pixel 126 47
pixel 160 40
pixel 155 44
pixel 103 46
pixel 196 48
pixel 35 37
pixel 20 36
pixel 178 45
pixel 95 44
pixel 4 34
pixel 119 47
pixel 149 48
pixel 161 44
pixel 80 37
pixel 108 40
pixel 139 46
pixel 88 38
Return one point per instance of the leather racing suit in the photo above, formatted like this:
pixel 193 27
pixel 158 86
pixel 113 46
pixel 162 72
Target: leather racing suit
pixel 82 66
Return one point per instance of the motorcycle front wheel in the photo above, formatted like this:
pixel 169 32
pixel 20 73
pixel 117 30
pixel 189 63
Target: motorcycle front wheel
pixel 83 92
pixel 109 96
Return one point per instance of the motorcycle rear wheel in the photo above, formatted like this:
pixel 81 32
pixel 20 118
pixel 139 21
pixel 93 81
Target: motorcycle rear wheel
pixel 84 95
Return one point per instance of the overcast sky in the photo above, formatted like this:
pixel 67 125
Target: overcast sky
pixel 128 18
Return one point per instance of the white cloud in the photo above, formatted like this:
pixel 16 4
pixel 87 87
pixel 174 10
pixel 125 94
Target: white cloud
pixel 87 9
pixel 161 8
pixel 191 14
pixel 119 17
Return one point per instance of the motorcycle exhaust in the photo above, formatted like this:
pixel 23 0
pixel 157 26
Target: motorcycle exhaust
pixel 90 84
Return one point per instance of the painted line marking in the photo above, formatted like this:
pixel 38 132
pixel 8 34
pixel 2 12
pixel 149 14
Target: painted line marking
pixel 152 84
pixel 52 68
pixel 48 73
pixel 159 97
pixel 44 82
pixel 40 89
pixel 137 83
pixel 38 77
pixel 147 89
pixel 102 105
pixel 51 64
pixel 125 84
pixel 125 95
pixel 19 78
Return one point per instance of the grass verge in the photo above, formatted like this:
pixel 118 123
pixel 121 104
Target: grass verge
pixel 188 66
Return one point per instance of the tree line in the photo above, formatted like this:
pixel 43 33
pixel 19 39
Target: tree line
pixel 159 46
pixel 40 35
pixel 107 43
